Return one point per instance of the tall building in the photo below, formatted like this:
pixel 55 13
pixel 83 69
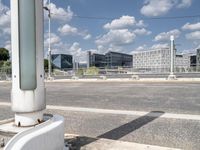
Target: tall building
pixel 159 60
pixel 116 59
pixel 62 61
pixel 110 60
pixel 97 60
pixel 193 60
pixel 198 58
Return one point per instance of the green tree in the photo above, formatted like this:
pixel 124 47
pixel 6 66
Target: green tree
pixel 4 54
pixel 46 65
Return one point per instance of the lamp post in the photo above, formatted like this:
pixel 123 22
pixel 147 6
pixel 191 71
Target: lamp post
pixel 172 54
pixel 34 129
pixel 49 49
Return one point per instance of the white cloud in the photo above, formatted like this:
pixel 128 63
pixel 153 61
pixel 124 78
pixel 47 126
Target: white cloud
pixel 142 31
pixel 116 37
pixel 157 46
pixel 58 13
pixel 77 52
pixel 165 36
pixel 4 20
pixel 54 39
pixel 193 35
pixel 184 4
pixel 140 23
pixel 188 26
pixel 8 45
pixel 139 48
pixel 124 22
pixel 146 48
pixel 87 37
pixel 153 8
pixel 67 30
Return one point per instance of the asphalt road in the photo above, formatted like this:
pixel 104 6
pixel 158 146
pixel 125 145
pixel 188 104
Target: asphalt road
pixel 175 98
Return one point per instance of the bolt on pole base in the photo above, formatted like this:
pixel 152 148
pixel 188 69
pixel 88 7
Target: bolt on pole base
pixel 28 119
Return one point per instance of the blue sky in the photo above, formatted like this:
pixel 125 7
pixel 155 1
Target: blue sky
pixel 121 25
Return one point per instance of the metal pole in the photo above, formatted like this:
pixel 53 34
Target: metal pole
pixel 172 55
pixel 49 50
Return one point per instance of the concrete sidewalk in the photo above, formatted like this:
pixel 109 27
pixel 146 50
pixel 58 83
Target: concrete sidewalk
pixel 87 143
pixel 127 80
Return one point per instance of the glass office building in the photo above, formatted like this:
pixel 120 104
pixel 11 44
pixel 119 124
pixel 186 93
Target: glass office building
pixel 62 61
pixel 110 60
pixel 115 59
pixel 198 57
pixel 97 60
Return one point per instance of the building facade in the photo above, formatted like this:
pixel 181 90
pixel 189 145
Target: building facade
pixel 62 61
pixel 159 60
pixel 115 59
pixel 110 60
pixel 198 57
pixel 96 60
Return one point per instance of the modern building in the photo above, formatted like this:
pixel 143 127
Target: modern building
pixel 198 57
pixel 116 59
pixel 97 60
pixel 62 61
pixel 193 60
pixel 110 60
pixel 159 60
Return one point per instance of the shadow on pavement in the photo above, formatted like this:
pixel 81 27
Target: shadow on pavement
pixel 118 132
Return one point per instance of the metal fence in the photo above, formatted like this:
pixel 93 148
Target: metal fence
pixel 192 72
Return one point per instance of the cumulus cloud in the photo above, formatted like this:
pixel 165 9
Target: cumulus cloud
pixel 188 26
pixel 142 31
pixel 119 33
pixel 160 45
pixel 116 37
pixel 122 22
pixel 146 48
pixel 184 4
pixel 153 8
pixel 69 30
pixel 193 35
pixel 7 45
pixel 79 54
pixel 55 39
pixel 58 13
pixel 165 36
pixel 4 20
pixel 87 37
pixel 139 48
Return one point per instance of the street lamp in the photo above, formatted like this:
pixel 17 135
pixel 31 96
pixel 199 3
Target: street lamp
pixel 49 49
pixel 172 59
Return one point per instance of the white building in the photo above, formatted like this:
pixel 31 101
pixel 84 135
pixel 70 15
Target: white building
pixel 159 60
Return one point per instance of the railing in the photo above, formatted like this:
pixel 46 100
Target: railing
pixel 6 73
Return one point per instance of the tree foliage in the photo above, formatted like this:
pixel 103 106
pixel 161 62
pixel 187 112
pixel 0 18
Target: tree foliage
pixel 4 54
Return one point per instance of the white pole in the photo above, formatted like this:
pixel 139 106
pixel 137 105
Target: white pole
pixel 28 91
pixel 49 50
pixel 172 55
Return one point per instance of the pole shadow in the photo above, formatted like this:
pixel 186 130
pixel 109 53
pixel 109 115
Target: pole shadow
pixel 120 131
pixel 129 127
